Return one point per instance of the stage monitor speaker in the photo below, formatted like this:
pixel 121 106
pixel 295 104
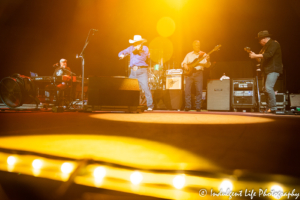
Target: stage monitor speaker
pixel 113 91
pixel 218 94
pixel 173 99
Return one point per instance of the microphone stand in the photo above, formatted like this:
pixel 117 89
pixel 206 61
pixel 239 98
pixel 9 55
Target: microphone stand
pixel 82 63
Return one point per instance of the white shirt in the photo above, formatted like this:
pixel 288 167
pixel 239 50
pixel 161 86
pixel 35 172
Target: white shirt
pixel 190 57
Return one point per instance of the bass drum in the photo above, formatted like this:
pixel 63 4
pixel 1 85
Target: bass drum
pixel 17 90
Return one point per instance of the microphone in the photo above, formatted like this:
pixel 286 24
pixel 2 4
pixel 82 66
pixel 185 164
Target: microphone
pixel 55 65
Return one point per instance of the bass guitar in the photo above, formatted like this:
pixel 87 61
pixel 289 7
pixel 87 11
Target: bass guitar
pixel 196 62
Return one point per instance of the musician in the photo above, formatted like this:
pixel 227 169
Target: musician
pixel 271 64
pixel 138 56
pixel 196 76
pixel 64 72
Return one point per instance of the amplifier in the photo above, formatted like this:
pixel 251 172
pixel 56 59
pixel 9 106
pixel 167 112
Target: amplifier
pixel 174 82
pixel 243 93
pixel 295 100
pixel 218 94
pixel 174 71
pixel 243 84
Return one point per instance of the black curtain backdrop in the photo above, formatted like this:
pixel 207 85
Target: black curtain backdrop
pixel 35 34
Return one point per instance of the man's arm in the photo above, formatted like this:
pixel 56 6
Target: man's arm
pixel 185 62
pixel 267 54
pixel 146 50
pixel 125 52
pixel 208 63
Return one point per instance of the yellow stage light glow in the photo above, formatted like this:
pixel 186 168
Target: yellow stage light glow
pixel 66 168
pixel 11 160
pixel 176 4
pixel 99 173
pixel 139 153
pixel 182 118
pixel 277 191
pixel 163 45
pixel 36 172
pixel 226 186
pixel 37 164
pixel 165 26
pixel 179 181
pixel 136 178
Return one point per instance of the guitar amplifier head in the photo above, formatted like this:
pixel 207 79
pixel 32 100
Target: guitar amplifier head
pixel 174 82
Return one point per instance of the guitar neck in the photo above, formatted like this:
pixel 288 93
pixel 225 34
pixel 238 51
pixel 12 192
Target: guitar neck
pixel 210 52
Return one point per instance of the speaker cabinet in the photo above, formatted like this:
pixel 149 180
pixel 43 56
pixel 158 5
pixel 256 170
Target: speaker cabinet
pixel 113 91
pixel 174 82
pixel 173 99
pixel 218 94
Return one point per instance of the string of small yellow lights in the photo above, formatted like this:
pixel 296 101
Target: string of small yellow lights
pixel 184 184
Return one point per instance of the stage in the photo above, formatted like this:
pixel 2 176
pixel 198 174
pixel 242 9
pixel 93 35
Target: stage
pixel 259 148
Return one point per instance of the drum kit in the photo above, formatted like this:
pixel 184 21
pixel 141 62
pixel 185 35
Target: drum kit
pixel 156 77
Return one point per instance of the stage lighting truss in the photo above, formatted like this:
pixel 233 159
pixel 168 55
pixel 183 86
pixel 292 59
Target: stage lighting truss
pixel 174 184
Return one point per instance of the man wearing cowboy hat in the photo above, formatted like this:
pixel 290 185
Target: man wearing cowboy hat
pixel 138 56
pixel 271 63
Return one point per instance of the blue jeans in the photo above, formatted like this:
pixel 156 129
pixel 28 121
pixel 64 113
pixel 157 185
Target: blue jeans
pixel 142 76
pixel 269 87
pixel 197 79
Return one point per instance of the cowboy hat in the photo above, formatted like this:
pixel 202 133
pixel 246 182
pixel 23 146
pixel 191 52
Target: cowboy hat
pixel 137 38
pixel 263 34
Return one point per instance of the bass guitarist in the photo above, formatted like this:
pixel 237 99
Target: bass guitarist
pixel 194 75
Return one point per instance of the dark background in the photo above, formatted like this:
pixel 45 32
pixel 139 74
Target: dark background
pixel 36 34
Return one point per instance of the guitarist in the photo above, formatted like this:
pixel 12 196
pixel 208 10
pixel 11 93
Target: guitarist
pixel 271 64
pixel 195 76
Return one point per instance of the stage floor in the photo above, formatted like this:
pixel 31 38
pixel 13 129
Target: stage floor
pixel 259 143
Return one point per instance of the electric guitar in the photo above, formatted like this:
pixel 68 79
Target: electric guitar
pixel 196 62
pixel 248 50
pixel 258 69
